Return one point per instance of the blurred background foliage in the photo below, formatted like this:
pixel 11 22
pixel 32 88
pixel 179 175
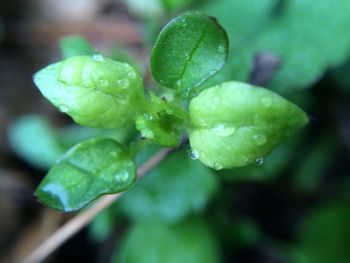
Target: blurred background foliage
pixel 292 208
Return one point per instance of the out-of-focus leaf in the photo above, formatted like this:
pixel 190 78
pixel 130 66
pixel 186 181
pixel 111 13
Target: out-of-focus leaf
pixel 173 190
pixel 173 5
pixel 150 9
pixel 74 134
pixel 121 54
pixel 34 140
pixel 90 169
pixel 307 36
pixel 102 225
pixel 316 163
pixel 341 75
pixel 71 46
pixel 190 49
pixel 153 242
pixel 324 236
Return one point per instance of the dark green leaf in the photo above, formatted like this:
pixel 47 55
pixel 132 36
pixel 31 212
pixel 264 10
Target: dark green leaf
pixel 90 169
pixel 152 242
pixel 173 5
pixel 307 36
pixel 236 124
pixel 190 49
pixel 75 46
pixel 324 236
pixel 173 190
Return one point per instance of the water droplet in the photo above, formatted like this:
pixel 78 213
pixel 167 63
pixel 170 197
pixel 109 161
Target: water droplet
pixel 97 57
pixel 218 166
pixel 266 101
pixel 63 108
pixel 259 161
pixel 148 134
pixel 221 49
pixel 124 83
pixel 148 116
pixel 212 72
pixel 259 139
pixel 122 176
pixel 193 154
pixel 223 130
pixel 132 74
pixel 187 55
pixel 184 23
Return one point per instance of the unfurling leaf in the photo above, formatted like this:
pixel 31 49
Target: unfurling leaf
pixel 93 90
pixel 90 169
pixel 236 124
pixel 162 124
pixel 190 49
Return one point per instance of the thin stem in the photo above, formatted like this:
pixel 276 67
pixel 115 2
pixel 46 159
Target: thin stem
pixel 74 225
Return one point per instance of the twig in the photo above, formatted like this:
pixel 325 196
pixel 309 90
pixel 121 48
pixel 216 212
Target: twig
pixel 74 225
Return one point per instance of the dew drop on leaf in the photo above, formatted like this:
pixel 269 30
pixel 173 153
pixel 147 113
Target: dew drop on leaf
pixel 193 154
pixel 221 49
pixel 132 74
pixel 218 166
pixel 259 139
pixel 148 116
pixel 63 108
pixel 97 57
pixel 259 161
pixel 223 130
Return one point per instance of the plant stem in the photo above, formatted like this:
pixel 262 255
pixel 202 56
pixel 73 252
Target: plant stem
pixel 74 225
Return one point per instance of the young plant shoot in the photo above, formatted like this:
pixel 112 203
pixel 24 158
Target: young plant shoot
pixel 229 125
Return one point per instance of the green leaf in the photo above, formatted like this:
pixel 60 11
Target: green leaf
pixel 190 49
pixel 307 37
pixel 173 5
pixel 236 124
pixel 71 46
pixel 34 140
pixel 93 90
pixel 178 187
pixel 274 164
pixel 152 242
pixel 163 123
pixel 90 169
